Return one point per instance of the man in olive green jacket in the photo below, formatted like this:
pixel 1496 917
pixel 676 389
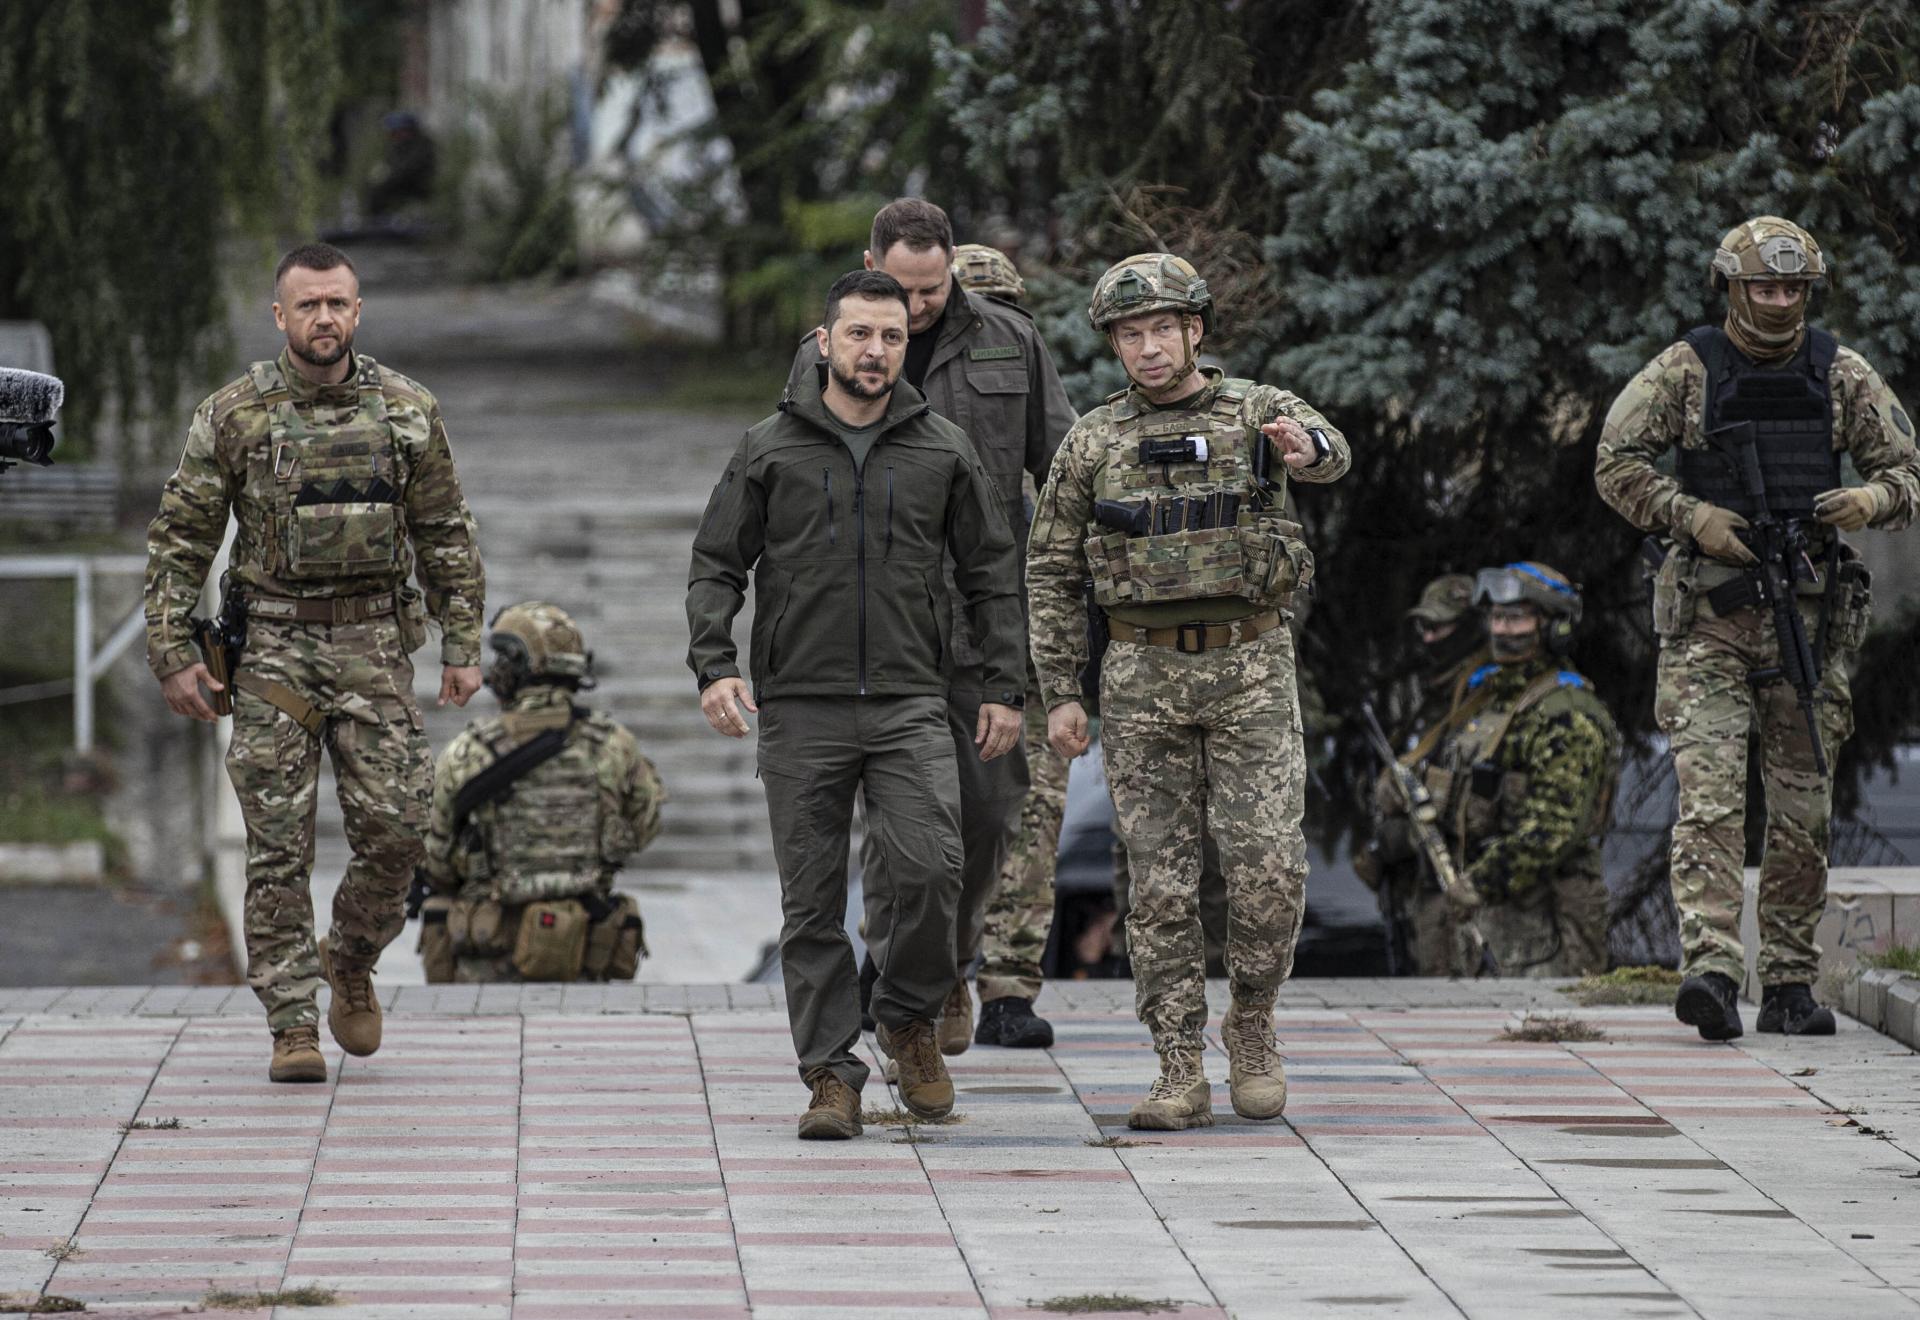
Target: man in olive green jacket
pixel 844 506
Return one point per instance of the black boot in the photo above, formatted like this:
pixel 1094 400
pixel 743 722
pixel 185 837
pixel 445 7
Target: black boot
pixel 1710 1002
pixel 1791 1009
pixel 1010 1021
pixel 869 973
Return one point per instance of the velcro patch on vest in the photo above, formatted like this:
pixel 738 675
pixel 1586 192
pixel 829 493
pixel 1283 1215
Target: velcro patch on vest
pixel 993 354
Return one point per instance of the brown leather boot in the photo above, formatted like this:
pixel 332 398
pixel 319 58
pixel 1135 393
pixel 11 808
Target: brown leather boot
pixel 296 1056
pixel 1256 1079
pixel 955 1031
pixel 1179 1098
pixel 354 1015
pixel 834 1113
pixel 925 1088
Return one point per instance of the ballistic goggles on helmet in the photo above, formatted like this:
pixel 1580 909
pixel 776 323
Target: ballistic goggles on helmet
pixel 1524 584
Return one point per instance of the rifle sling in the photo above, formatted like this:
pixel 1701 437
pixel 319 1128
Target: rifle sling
pixel 492 784
pixel 1458 715
pixel 284 698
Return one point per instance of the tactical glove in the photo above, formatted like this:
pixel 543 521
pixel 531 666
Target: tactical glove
pixel 1849 508
pixel 1713 528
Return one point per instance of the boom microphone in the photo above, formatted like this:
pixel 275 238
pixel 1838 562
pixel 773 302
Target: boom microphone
pixel 28 401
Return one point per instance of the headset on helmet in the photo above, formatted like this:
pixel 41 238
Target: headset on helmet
pixel 1532 583
pixel 535 642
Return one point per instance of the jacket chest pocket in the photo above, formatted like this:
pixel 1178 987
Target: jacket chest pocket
pixel 995 405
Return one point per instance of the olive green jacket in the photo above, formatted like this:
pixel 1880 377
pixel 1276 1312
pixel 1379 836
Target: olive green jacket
pixel 846 563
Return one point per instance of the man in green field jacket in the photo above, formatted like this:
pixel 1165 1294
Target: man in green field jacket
pixel 843 506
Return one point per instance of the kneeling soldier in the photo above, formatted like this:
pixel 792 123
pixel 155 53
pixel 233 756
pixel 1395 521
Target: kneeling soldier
pixel 533 811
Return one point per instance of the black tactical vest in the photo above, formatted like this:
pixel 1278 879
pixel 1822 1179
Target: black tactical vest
pixel 1791 409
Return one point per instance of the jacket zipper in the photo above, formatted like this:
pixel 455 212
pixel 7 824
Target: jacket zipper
pixel 860 563
pixel 826 485
pixel 889 509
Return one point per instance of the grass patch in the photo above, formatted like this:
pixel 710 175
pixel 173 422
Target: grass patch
pixel 153 1125
pixel 224 1299
pixel 1625 985
pixel 1895 958
pixel 1107 1304
pixel 752 386
pixel 29 1304
pixel 897 1117
pixel 1552 1027
pixel 65 1251
pixel 1118 1143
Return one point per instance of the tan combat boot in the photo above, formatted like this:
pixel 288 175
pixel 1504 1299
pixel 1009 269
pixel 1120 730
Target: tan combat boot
pixel 834 1112
pixel 354 1015
pixel 924 1085
pixel 1179 1098
pixel 296 1056
pixel 955 1031
pixel 1256 1078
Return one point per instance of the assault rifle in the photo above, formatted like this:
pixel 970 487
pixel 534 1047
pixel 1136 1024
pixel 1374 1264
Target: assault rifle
pixel 1423 818
pixel 1780 545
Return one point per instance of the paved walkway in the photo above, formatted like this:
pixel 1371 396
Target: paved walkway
pixel 553 1153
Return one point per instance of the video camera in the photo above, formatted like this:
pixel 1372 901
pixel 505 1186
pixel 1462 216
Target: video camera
pixel 28 401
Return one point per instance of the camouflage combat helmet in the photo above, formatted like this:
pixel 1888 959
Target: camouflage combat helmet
pixel 1444 600
pixel 981 269
pixel 1768 248
pixel 535 642
pixel 1149 282
pixel 1530 582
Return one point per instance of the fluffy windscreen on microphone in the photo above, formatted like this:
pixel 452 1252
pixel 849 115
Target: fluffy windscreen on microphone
pixel 29 396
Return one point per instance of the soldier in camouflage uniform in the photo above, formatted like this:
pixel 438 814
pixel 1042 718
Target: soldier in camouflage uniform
pixel 1167 496
pixel 338 473
pixel 534 810
pixel 1450 640
pixel 1524 785
pixel 1808 401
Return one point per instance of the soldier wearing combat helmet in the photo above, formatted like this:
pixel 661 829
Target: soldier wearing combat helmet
pixel 1168 498
pixel 1524 782
pixel 1803 400
pixel 983 269
pixel 534 810
pixel 1449 639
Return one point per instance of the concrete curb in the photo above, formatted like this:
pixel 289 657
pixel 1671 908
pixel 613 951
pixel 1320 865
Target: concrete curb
pixel 84 862
pixel 1888 1001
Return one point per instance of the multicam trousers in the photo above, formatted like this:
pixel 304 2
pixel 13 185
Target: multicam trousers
pixel 359 676
pixel 1209 739
pixel 1706 707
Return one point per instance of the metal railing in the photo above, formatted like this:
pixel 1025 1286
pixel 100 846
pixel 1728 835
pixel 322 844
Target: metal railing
pixel 89 661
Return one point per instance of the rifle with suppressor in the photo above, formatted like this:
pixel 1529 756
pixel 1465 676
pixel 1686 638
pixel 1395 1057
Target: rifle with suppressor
pixel 1780 545
pixel 1423 819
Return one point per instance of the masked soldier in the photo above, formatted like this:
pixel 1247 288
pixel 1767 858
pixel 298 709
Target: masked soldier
pixel 1524 783
pixel 534 810
pixel 338 473
pixel 1766 377
pixel 1450 644
pixel 981 365
pixel 1167 496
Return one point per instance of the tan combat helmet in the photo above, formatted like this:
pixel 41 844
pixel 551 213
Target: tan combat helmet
pixel 535 642
pixel 1150 282
pixel 1767 248
pixel 1444 600
pixel 981 269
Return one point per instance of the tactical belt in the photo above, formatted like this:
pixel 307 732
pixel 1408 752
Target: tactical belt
pixel 1193 638
pixel 282 697
pixel 332 609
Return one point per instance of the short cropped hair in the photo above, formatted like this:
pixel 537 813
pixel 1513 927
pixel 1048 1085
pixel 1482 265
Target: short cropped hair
pixel 312 256
pixel 863 284
pixel 911 220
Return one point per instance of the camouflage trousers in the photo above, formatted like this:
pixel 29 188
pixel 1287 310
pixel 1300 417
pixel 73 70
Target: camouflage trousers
pixel 358 676
pixel 1207 740
pixel 1706 707
pixel 1555 928
pixel 1020 912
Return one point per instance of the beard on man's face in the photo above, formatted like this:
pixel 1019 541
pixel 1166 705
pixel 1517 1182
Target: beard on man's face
pixel 849 380
pixel 303 349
